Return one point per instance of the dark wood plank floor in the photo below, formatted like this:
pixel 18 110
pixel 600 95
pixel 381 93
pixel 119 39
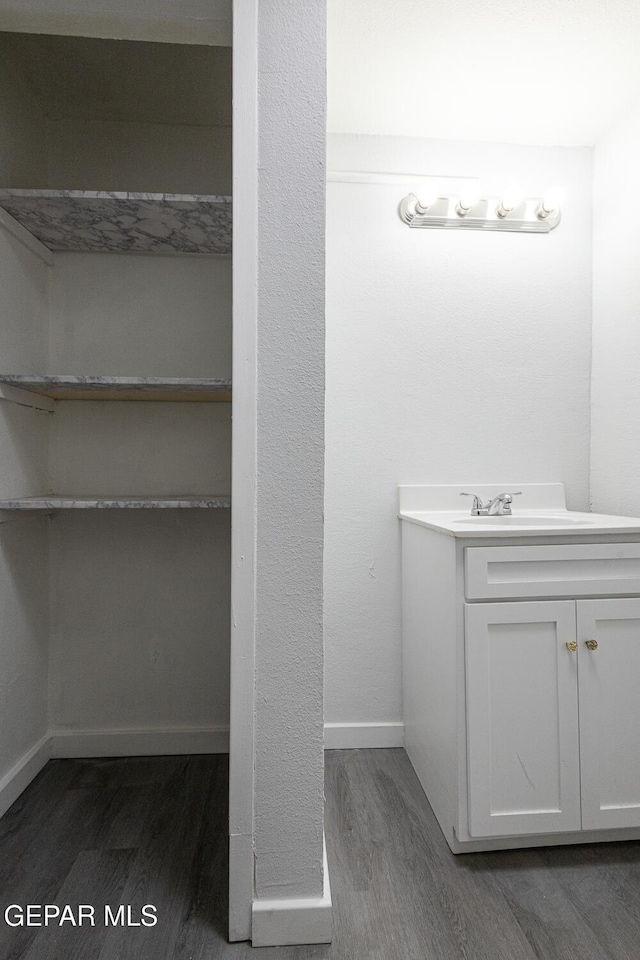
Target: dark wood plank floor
pixel 153 830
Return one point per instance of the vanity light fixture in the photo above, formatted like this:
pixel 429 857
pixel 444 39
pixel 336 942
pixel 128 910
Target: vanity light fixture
pixel 511 198
pixel 512 211
pixel 467 200
pixel 426 198
pixel 550 204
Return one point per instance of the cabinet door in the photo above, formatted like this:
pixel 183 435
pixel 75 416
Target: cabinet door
pixel 609 685
pixel 522 718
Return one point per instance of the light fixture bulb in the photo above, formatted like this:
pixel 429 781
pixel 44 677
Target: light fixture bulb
pixel 469 196
pixel 426 197
pixel 511 198
pixel 553 200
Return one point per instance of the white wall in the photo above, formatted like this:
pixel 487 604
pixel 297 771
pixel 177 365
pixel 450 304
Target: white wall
pixel 146 157
pixel 23 347
pixel 23 307
pixel 23 161
pixel 139 448
pixel 24 582
pixel 615 414
pixel 137 315
pixel 24 638
pixel 140 620
pixel 451 357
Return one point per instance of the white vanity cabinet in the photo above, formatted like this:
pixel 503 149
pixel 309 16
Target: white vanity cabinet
pixel 521 673
pixel 553 720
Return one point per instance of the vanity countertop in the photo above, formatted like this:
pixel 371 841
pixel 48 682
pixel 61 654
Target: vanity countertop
pixel 540 511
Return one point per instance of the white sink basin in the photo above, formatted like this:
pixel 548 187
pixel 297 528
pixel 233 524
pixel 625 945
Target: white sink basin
pixel 516 521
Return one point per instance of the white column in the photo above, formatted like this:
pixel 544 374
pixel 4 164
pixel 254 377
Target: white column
pixel 277 644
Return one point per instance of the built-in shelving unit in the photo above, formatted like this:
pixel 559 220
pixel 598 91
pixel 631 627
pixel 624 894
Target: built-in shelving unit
pixel 103 222
pixel 122 503
pixel 170 389
pixel 115 519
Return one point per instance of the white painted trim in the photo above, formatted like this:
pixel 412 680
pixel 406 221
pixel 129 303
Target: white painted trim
pixel 174 741
pixel 27 239
pixel 243 465
pixel 22 773
pixel 445 182
pixel 355 736
pixel 277 923
pixel 25 398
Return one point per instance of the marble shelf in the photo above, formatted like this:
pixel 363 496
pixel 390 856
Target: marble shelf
pixel 102 222
pixel 121 503
pixel 122 388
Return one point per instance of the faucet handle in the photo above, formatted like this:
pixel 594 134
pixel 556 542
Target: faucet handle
pixel 477 505
pixel 501 504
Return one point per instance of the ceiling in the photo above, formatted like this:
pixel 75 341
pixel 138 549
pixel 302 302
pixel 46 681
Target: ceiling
pixel 81 78
pixel 538 72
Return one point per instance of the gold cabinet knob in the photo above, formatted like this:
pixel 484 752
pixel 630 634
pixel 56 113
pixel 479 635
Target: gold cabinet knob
pixel 572 645
pixel 592 644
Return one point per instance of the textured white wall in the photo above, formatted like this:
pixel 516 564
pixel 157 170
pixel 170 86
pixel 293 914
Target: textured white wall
pixel 615 413
pixel 451 357
pixel 290 426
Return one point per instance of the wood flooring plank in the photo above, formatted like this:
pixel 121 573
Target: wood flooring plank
pixel 97 878
pixel 22 823
pixel 161 870
pixel 452 915
pixel 363 816
pixel 203 933
pixel 154 830
pixel 37 875
pixel 548 918
pixel 117 772
pixel 601 883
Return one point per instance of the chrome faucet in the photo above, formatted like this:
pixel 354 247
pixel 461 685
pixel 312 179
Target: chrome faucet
pixel 500 506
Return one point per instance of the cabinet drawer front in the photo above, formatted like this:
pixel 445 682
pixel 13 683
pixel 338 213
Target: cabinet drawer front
pixel 574 570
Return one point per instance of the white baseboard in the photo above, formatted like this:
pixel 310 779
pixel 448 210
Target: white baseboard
pixel 182 740
pixel 279 923
pixel 22 773
pixel 167 742
pixel 139 743
pixel 350 736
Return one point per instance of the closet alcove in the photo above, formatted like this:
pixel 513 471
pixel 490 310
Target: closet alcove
pixel 115 389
